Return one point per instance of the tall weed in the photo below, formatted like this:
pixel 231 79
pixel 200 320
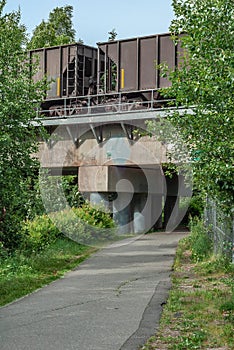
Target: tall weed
pixel 200 242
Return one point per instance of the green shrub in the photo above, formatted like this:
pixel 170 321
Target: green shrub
pixel 39 233
pixel 71 225
pixel 85 225
pixel 195 206
pixel 71 191
pixel 58 191
pixel 98 222
pixel 200 242
pixel 11 230
pixel 3 251
pixel 95 216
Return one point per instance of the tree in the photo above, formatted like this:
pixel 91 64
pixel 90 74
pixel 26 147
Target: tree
pixel 205 80
pixel 18 98
pixel 112 35
pixel 58 30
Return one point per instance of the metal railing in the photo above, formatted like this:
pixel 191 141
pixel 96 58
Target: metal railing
pixel 122 102
pixel 221 229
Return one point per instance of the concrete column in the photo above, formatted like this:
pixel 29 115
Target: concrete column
pixel 140 216
pixel 138 221
pixel 170 205
pixel 122 212
pixel 156 211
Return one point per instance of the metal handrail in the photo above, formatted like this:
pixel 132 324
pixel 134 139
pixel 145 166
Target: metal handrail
pixel 113 103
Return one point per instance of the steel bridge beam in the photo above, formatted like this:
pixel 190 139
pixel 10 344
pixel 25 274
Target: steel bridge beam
pixel 110 117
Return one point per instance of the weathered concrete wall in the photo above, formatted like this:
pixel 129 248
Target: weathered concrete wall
pixel 126 179
pixel 115 149
pixel 112 159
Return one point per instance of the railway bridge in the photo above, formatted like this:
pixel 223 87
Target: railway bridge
pixel 98 100
pixel 118 165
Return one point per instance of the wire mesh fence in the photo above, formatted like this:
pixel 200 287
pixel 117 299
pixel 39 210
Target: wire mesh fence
pixel 221 228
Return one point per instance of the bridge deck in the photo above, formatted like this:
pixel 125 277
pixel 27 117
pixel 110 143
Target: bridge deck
pixel 109 117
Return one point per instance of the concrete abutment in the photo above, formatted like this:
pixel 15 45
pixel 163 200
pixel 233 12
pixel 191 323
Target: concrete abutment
pixel 125 176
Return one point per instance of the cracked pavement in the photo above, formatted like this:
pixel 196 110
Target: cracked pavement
pixel 112 301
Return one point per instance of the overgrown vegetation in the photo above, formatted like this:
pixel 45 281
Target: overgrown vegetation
pixel 200 243
pixel 203 85
pixel 86 225
pixel 75 218
pixel 199 313
pixel 19 96
pixel 195 207
pixel 204 81
pixel 23 273
pixel 20 198
pixel 44 251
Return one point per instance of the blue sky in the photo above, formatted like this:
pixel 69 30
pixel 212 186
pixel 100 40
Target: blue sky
pixel 93 19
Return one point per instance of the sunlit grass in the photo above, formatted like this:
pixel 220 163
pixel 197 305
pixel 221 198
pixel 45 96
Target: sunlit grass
pixel 199 313
pixel 20 274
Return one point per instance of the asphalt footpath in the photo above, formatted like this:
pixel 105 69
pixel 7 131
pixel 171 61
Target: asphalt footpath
pixel 112 301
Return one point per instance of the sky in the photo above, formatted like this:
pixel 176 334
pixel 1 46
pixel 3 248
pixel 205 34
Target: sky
pixel 93 19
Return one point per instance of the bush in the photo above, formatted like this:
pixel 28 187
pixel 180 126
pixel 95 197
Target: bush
pixel 200 242
pixel 10 230
pixel 95 216
pixel 85 225
pixel 58 191
pixel 39 233
pixel 71 225
pixel 72 194
pixel 195 207
pixel 98 223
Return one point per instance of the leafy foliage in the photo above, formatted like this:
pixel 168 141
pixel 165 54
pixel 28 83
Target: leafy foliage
pixel 83 224
pixel 18 98
pixel 71 191
pixel 95 216
pixel 112 35
pixel 39 233
pixel 205 80
pixel 58 192
pixel 195 207
pixel 57 30
pixel 200 242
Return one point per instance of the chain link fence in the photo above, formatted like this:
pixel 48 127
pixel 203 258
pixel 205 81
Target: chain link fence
pixel 221 229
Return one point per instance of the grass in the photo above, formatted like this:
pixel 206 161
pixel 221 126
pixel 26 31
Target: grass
pixel 21 274
pixel 199 313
